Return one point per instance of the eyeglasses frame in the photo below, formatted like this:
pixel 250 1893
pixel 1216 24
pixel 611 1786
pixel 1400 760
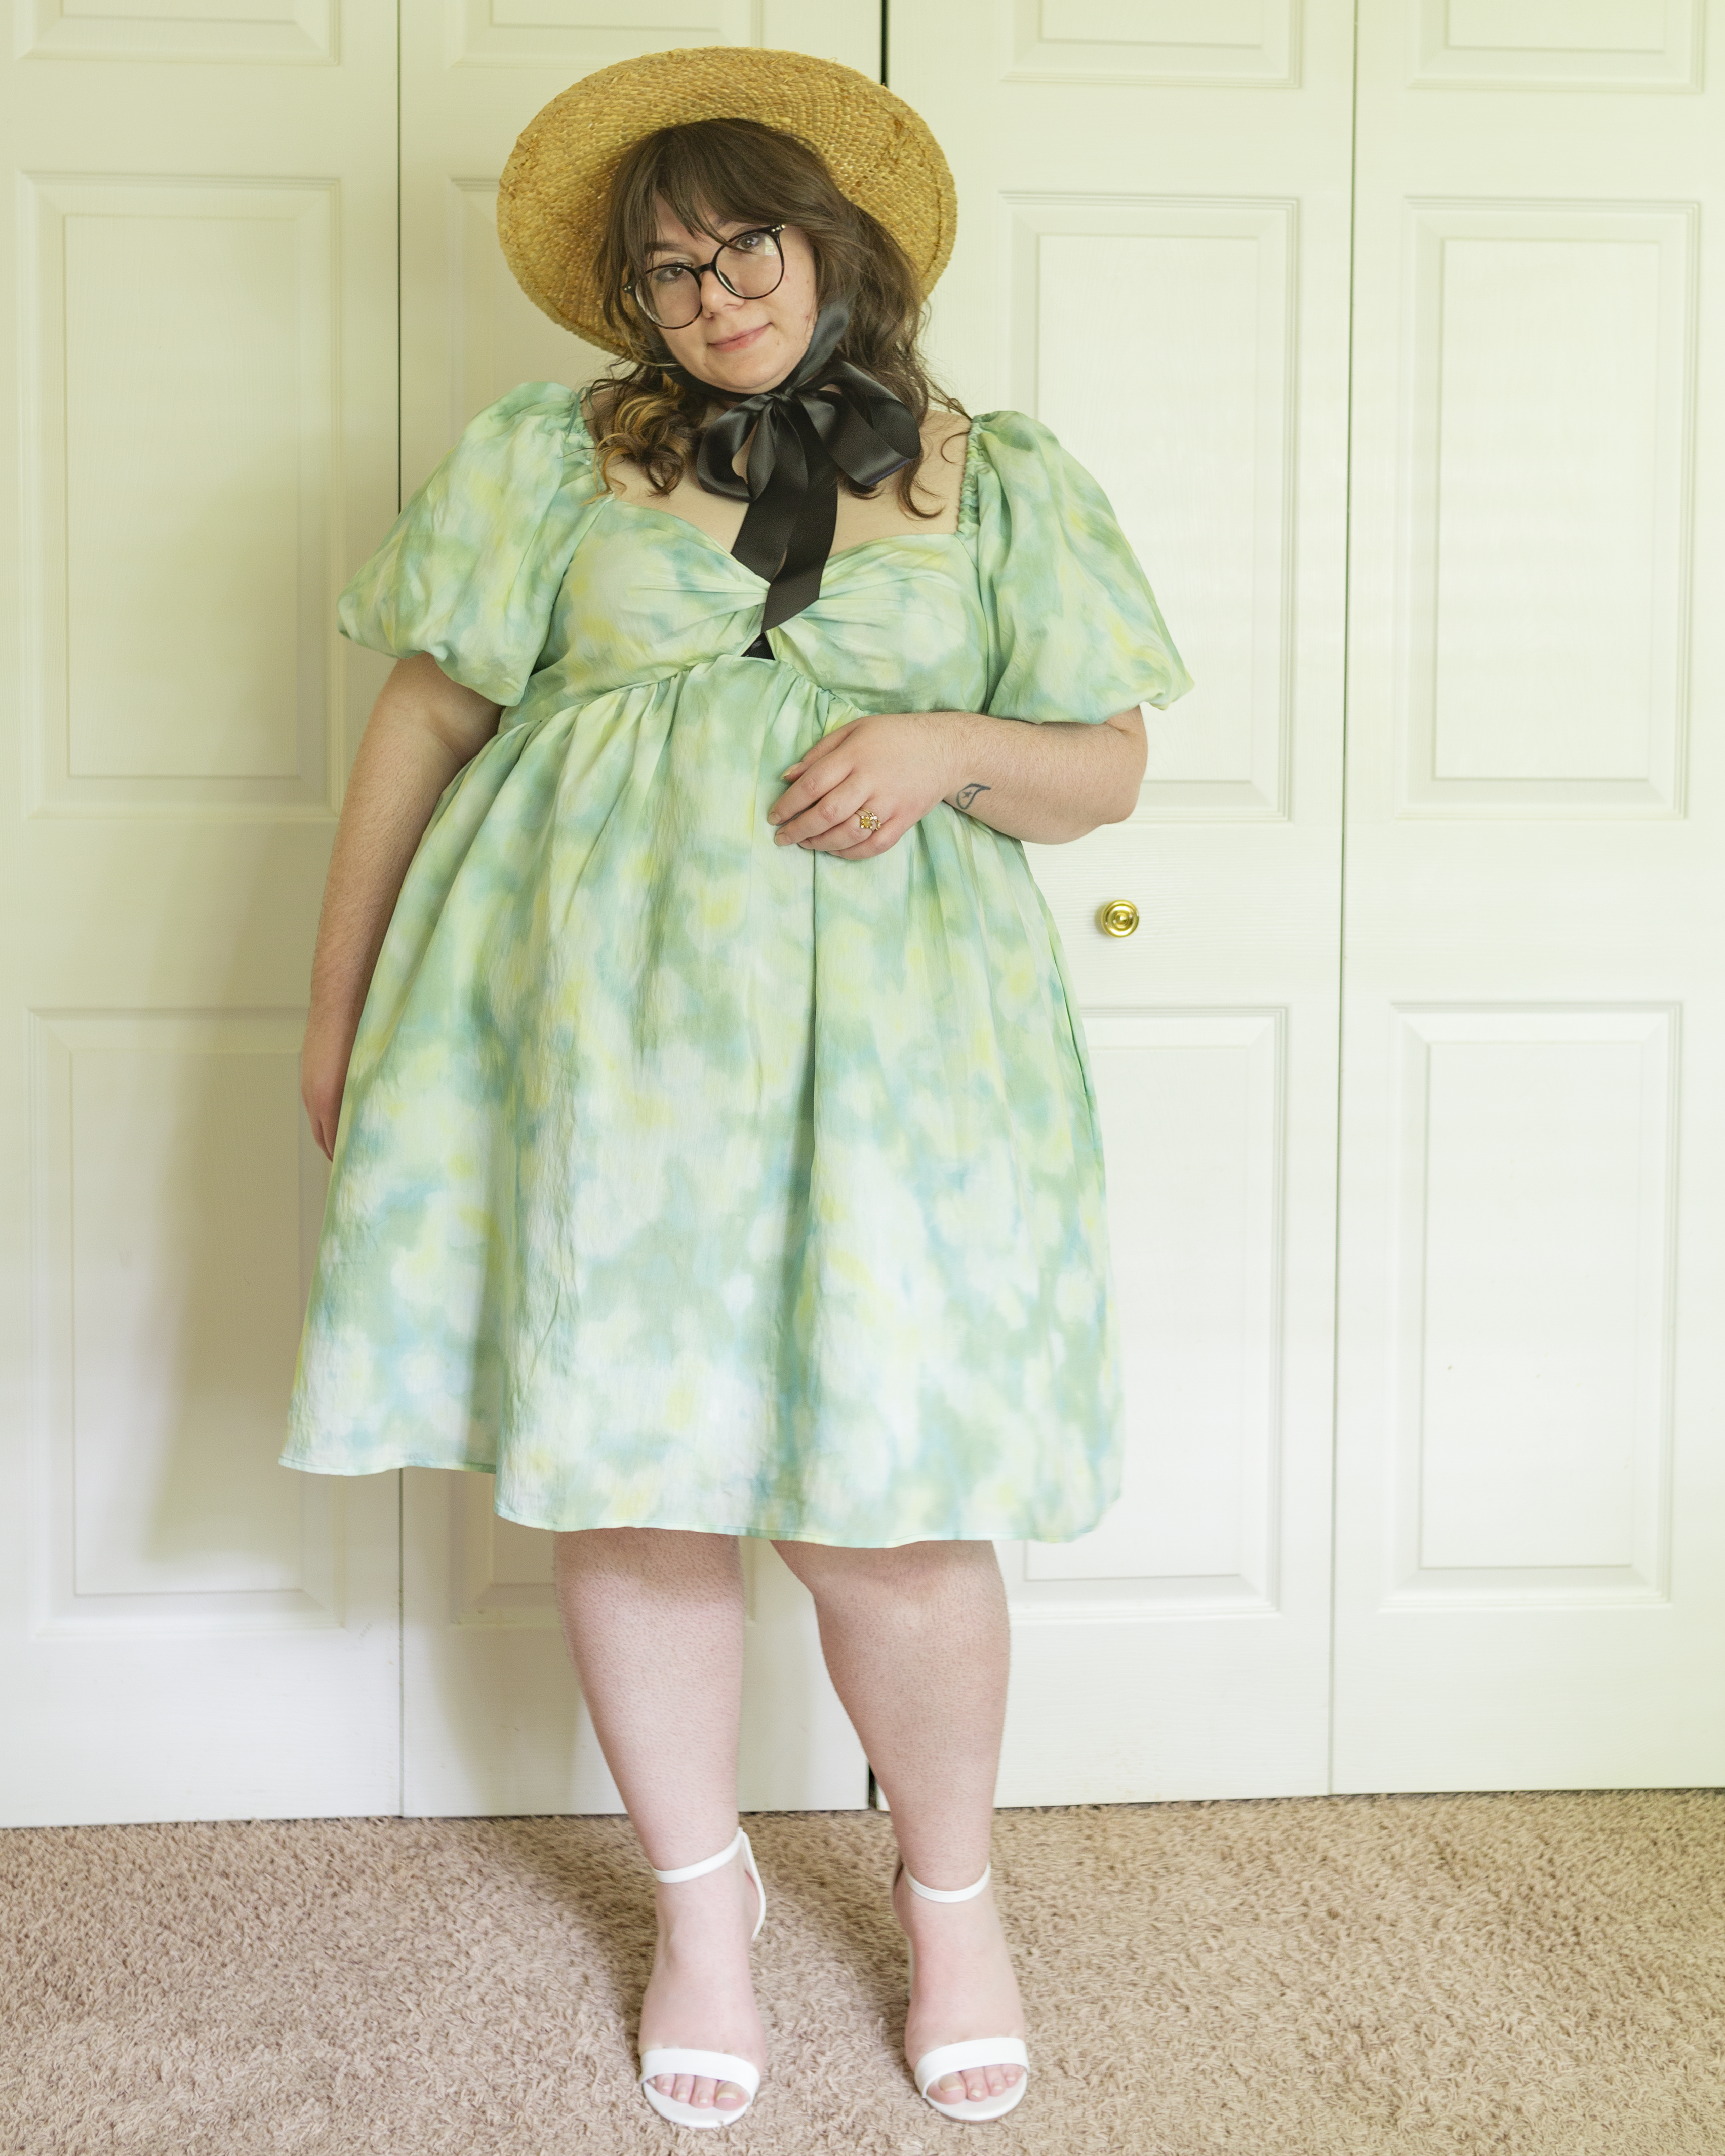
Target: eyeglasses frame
pixel 698 271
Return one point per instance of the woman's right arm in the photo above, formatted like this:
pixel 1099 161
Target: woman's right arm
pixel 423 728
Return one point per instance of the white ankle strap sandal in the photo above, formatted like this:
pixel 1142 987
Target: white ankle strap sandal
pixel 978 2050
pixel 719 2065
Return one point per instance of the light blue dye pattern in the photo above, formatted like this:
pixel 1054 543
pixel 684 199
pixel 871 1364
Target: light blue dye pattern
pixel 682 1179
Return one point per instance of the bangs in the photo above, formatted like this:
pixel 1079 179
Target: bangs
pixel 714 172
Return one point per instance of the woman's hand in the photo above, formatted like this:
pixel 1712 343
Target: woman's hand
pixel 323 1073
pixel 896 765
pixel 1047 784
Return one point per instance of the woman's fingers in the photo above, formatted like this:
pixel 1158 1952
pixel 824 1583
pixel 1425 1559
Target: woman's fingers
pixel 843 834
pixel 867 844
pixel 824 747
pixel 827 786
pixel 829 825
pixel 848 838
pixel 813 785
pixel 842 799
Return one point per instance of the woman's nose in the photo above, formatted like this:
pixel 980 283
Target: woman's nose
pixel 717 296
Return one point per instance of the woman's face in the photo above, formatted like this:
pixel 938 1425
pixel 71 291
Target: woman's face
pixel 740 345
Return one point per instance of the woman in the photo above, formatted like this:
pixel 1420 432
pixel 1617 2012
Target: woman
pixel 714 1149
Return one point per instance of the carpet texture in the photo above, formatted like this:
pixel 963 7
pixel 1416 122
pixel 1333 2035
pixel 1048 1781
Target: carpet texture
pixel 1541 1974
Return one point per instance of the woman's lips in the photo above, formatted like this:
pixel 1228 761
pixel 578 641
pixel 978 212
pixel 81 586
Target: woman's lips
pixel 737 343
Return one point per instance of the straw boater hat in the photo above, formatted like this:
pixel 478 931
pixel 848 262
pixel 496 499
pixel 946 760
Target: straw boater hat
pixel 551 201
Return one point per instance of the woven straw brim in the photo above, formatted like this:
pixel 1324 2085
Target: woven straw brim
pixel 550 200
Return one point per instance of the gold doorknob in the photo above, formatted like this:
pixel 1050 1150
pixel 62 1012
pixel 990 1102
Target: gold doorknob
pixel 1118 918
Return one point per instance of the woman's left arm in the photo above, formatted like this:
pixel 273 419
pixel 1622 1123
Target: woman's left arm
pixel 1047 784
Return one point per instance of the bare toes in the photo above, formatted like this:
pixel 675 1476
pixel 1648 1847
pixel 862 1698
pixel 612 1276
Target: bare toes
pixel 976 2084
pixel 701 2091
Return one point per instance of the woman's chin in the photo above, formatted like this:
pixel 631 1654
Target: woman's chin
pixel 759 365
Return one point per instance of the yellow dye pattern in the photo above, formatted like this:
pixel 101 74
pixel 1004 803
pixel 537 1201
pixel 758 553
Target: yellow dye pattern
pixel 684 1180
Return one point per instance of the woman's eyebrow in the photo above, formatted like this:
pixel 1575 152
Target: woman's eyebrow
pixel 677 247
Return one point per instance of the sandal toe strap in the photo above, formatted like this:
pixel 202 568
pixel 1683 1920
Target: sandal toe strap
pixel 979 2051
pixel 716 2066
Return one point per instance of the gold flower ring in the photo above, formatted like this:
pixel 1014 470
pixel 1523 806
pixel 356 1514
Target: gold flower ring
pixel 868 822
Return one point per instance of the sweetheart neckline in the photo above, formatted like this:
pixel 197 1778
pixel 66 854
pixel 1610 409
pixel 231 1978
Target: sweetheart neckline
pixel 707 538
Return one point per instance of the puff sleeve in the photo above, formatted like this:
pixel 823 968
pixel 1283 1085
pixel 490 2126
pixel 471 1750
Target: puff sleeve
pixel 1074 629
pixel 471 568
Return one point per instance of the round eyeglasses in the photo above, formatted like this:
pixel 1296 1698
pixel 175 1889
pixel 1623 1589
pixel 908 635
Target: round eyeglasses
pixel 749 264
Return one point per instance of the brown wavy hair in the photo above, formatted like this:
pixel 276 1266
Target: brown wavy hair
pixel 709 172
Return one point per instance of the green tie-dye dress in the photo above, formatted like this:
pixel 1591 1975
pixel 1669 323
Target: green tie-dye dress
pixel 684 1180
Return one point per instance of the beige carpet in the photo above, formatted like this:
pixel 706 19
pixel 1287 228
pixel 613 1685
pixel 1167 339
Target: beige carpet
pixel 1377 1974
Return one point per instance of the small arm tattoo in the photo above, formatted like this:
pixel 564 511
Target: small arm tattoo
pixel 967 794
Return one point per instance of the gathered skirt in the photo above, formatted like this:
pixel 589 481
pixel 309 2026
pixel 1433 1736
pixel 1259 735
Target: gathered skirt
pixel 686 1180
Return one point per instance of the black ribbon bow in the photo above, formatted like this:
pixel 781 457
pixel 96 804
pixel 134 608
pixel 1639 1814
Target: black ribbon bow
pixel 825 417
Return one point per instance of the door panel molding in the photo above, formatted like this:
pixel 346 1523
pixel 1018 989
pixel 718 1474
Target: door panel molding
pixel 1547 514
pixel 1555 44
pixel 259 33
pixel 1533 1252
pixel 1207 496
pixel 196 674
pixel 1189 43
pixel 1194 1106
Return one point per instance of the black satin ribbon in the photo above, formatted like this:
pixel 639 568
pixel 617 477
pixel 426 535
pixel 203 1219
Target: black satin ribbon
pixel 825 417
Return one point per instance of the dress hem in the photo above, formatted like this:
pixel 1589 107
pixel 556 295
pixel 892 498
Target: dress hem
pixel 1002 1532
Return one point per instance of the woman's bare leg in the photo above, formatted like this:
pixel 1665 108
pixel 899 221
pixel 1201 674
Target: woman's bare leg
pixel 917 1641
pixel 653 1620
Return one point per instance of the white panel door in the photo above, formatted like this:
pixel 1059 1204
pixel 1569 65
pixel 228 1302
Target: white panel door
pixel 491 1719
pixel 199 362
pixel 1531 1562
pixel 1152 258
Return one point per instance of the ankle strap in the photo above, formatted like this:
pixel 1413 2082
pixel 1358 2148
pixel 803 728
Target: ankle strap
pixel 955 1894
pixel 707 1864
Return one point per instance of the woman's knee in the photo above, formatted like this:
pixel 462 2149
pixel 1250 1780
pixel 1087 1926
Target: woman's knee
pixel 911 1575
pixel 643 1551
